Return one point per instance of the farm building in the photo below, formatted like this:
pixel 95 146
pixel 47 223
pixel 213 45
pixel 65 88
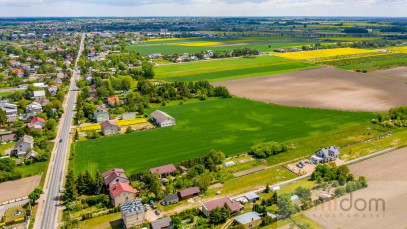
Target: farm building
pixel 133 213
pixel 162 119
pixel 325 155
pixel 219 203
pixel 109 128
pixel 249 220
pixel 164 223
pixel 101 115
pixel 164 171
pixel 171 199
pixel 189 193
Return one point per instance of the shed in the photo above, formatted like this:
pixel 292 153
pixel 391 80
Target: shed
pixel 171 199
pixel 249 220
pixel 252 197
pixel 294 198
pixel 189 193
pixel 275 188
pixel 271 215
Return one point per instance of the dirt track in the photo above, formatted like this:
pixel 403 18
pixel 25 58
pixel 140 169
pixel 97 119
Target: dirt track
pixel 387 179
pixel 323 87
pixel 11 190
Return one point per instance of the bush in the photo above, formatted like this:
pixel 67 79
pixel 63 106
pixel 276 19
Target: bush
pixel 265 150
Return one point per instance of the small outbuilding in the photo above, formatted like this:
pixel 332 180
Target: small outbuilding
pixel 162 119
pixel 189 193
pixel 249 220
pixel 252 197
pixel 171 199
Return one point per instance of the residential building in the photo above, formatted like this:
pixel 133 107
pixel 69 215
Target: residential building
pixel 10 109
pixel 8 137
pixel 101 115
pixel 115 177
pixel 109 128
pixel 325 155
pixel 133 213
pixel 219 203
pixel 23 145
pixel 189 193
pixel 121 193
pixel 39 95
pixel 53 90
pixel 171 199
pixel 164 171
pixel 162 119
pixel 164 223
pixel 33 107
pixel 37 121
pixel 249 220
pixel 112 100
pixel 111 171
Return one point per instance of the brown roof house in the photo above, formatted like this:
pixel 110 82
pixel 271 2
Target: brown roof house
pixel 23 146
pixel 109 128
pixel 189 193
pixel 162 119
pixel 164 171
pixel 113 176
pixel 219 203
pixel 121 193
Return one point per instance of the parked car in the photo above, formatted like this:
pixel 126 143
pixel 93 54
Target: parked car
pixel 163 203
pixel 154 206
pixel 157 212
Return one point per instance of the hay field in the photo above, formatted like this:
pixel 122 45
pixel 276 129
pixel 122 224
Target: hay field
pixel 325 87
pixel 387 180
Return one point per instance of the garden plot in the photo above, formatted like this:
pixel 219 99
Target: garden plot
pixel 387 181
pixel 324 87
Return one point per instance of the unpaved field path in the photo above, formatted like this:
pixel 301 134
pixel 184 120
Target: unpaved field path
pixel 11 190
pixel 387 179
pixel 323 87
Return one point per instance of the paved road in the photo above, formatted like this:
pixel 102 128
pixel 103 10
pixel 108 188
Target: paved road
pixel 50 212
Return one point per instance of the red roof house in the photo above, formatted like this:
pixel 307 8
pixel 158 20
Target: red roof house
pixel 121 193
pixel 112 100
pixel 37 121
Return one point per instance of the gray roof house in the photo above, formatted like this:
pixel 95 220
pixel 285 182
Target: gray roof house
pixel 164 223
pixel 171 199
pixel 162 119
pixel 39 94
pixel 249 220
pixel 325 155
pixel 101 115
pixel 133 213
pixel 23 145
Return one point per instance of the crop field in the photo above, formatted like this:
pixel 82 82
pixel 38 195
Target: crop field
pixel 350 38
pixel 229 125
pixel 190 45
pixel 398 74
pixel 385 182
pixel 399 48
pixel 324 53
pixel 324 87
pixel 229 69
pixel 126 122
pixel 369 62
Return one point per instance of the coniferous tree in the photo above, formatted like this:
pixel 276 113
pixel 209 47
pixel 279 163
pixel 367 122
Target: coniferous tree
pixel 98 183
pixel 71 191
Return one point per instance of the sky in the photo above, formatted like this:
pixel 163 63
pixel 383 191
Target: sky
pixel 138 8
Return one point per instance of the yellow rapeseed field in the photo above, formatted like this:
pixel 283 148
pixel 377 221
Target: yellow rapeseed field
pixel 125 122
pixel 167 39
pixel 323 53
pixel 399 48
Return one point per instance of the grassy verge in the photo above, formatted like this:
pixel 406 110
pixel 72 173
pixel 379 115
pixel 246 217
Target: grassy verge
pixel 105 221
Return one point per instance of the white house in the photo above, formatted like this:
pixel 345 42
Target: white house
pixel 39 95
pixel 23 145
pixel 325 155
pixel 33 107
pixel 162 119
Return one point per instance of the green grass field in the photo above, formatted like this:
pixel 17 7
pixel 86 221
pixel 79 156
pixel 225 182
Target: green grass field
pixel 265 44
pixel 229 125
pixel 229 69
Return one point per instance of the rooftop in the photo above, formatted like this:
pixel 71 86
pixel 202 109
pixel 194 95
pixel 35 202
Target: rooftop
pixel 247 218
pixel 131 206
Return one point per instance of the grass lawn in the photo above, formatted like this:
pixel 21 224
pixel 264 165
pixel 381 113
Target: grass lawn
pixel 102 222
pixel 33 169
pixel 9 214
pixel 253 181
pixel 229 69
pixel 5 147
pixel 229 125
